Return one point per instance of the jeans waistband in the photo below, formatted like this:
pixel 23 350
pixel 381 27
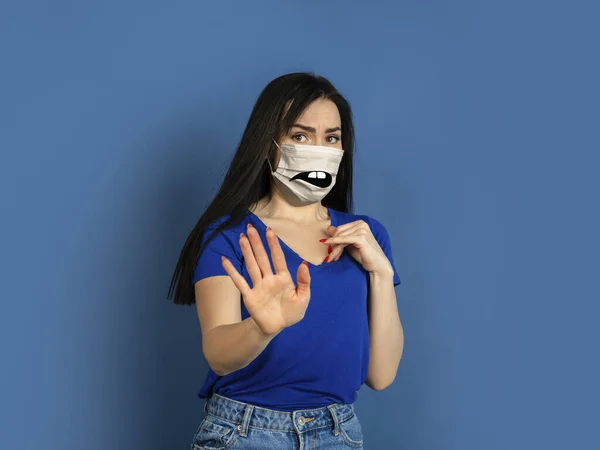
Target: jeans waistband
pixel 247 415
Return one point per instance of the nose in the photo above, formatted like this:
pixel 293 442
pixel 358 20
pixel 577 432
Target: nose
pixel 321 140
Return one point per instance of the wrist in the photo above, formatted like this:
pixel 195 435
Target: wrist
pixel 387 273
pixel 258 330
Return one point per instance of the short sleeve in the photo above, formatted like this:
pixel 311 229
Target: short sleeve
pixel 383 239
pixel 209 263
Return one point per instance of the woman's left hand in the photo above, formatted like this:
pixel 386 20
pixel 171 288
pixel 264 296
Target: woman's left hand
pixel 357 238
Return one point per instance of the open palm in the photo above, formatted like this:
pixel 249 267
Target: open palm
pixel 274 301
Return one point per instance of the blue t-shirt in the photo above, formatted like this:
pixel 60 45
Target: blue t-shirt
pixel 322 359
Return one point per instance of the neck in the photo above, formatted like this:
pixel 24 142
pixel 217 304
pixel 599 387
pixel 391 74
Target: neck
pixel 276 206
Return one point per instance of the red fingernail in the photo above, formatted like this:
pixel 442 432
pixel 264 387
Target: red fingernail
pixel 330 249
pixel 326 258
pixel 322 240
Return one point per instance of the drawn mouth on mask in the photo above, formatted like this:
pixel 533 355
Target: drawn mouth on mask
pixel 317 178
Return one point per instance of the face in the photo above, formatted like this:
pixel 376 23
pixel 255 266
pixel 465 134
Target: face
pixel 319 124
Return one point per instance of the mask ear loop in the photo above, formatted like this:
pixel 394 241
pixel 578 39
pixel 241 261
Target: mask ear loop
pixel 269 160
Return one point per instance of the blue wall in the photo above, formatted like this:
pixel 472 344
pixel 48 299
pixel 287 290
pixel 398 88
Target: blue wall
pixel 478 149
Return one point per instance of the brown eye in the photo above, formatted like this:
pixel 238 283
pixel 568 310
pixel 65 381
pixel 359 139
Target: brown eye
pixel 299 137
pixel 333 139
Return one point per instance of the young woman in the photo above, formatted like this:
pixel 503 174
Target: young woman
pixel 294 293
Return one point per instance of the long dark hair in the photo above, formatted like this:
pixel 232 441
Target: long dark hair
pixel 249 177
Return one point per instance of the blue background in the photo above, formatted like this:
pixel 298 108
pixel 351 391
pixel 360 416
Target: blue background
pixel 477 147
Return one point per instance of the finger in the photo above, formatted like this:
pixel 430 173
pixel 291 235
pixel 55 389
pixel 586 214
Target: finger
pixel 251 264
pixel 303 280
pixel 347 239
pixel 342 249
pixel 276 252
pixel 336 253
pixel 342 228
pixel 352 228
pixel 238 280
pixel 343 232
pixel 259 251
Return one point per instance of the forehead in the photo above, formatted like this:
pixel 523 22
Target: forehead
pixel 321 112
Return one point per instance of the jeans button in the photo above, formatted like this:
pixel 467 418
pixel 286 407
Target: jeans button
pixel 301 420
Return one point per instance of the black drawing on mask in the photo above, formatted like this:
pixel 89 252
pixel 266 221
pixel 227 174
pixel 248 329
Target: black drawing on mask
pixel 317 178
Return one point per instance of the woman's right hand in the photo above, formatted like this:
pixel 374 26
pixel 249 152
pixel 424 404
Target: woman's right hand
pixel 274 301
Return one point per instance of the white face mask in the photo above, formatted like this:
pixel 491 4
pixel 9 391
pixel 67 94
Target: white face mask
pixel 308 171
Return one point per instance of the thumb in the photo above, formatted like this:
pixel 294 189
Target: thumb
pixel 303 279
pixel 331 230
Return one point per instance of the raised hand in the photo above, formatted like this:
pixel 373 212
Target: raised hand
pixel 274 301
pixel 356 237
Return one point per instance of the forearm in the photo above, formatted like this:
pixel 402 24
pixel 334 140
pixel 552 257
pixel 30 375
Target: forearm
pixel 228 348
pixel 385 331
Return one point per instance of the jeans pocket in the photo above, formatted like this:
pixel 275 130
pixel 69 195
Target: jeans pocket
pixel 351 431
pixel 215 433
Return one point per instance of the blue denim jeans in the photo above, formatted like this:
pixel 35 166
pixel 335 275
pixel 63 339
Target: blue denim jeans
pixel 230 424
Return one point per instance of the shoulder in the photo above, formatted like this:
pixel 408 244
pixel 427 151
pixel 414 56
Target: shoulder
pixel 231 228
pixel 228 234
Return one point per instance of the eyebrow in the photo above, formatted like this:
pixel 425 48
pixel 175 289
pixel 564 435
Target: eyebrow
pixel 312 130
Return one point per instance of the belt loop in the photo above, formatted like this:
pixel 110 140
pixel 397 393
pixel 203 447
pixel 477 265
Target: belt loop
pixel 243 427
pixel 336 424
pixel 206 405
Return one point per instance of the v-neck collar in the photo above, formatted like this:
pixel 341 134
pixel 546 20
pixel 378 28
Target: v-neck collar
pixel 258 220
